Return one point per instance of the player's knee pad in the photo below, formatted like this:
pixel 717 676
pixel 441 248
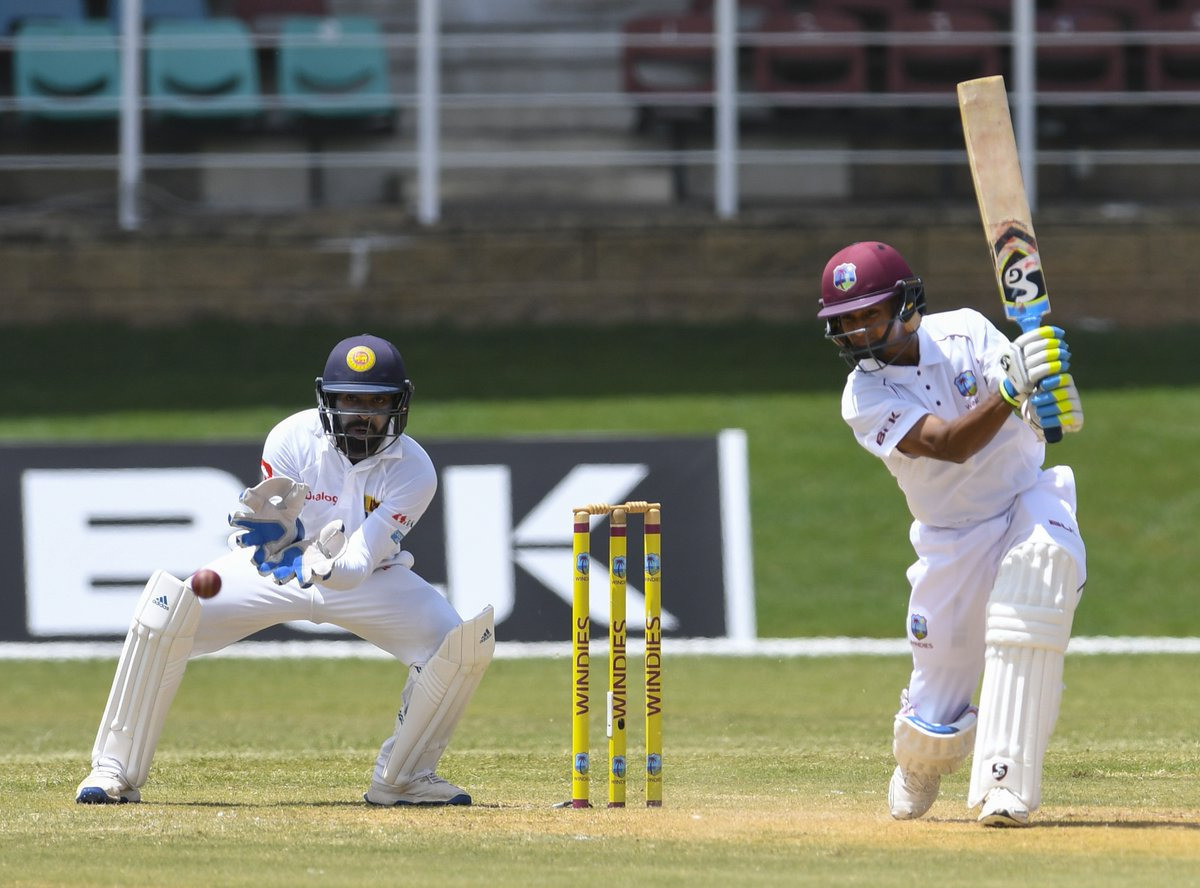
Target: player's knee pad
pixel 148 674
pixel 435 698
pixel 932 750
pixel 1029 619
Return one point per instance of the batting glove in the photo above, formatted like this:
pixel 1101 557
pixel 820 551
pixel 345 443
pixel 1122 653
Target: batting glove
pixel 1056 403
pixel 1029 359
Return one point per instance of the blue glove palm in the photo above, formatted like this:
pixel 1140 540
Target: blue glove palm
pixel 309 560
pixel 270 521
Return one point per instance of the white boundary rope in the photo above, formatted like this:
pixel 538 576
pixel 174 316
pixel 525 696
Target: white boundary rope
pixel 709 647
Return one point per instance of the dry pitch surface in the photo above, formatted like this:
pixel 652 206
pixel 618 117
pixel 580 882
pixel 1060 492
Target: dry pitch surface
pixel 776 775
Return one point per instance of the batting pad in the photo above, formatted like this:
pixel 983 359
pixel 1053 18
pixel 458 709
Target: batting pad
pixel 1028 627
pixel 148 674
pixel 436 700
pixel 932 750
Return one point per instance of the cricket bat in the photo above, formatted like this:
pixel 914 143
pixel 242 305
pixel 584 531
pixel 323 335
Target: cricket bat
pixel 1003 206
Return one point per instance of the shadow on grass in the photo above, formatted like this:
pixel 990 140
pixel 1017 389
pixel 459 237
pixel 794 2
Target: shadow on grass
pixel 95 369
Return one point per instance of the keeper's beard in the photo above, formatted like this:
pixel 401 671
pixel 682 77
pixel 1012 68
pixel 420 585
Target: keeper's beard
pixel 359 440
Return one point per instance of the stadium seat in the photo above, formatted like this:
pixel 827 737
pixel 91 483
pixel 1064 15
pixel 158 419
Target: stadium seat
pixel 14 12
pixel 687 68
pixel 1094 67
pixel 938 66
pixel 751 14
pixel 1000 11
pixel 809 66
pixel 666 67
pixel 1129 13
pixel 335 68
pixel 201 69
pixel 68 70
pixel 1173 67
pixel 873 14
pixel 154 10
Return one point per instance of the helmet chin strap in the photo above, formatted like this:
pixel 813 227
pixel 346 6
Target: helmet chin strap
pixel 873 351
pixel 371 444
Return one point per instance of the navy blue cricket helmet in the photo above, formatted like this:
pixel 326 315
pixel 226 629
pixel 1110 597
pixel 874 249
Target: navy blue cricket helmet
pixel 363 365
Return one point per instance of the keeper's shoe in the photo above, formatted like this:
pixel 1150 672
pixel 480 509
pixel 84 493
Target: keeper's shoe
pixel 103 788
pixel 911 795
pixel 425 789
pixel 1001 807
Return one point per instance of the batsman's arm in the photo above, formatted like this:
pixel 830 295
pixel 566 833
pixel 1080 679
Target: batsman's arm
pixel 958 439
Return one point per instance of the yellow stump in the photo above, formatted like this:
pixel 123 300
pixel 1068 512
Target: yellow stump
pixel 580 656
pixel 617 662
pixel 654 698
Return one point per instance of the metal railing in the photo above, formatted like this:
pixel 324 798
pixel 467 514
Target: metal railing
pixel 428 46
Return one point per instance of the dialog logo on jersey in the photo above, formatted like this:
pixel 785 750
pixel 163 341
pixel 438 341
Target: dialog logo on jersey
pixel 360 359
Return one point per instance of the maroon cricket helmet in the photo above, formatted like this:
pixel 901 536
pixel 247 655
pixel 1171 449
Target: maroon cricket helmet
pixel 863 274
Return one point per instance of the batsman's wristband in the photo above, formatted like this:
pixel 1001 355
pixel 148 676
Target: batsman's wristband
pixel 1009 394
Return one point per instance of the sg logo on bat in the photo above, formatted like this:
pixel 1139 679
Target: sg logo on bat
pixel 1023 288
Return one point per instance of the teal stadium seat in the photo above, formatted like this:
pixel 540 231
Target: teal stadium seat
pixel 14 12
pixel 202 70
pixel 66 71
pixel 335 68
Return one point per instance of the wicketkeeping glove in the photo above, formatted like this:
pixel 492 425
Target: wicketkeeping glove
pixel 1030 358
pixel 309 560
pixel 1054 403
pixel 271 520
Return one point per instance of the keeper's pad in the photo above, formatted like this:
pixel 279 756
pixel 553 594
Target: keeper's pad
pixel 1028 627
pixel 148 674
pixel 434 700
pixel 932 750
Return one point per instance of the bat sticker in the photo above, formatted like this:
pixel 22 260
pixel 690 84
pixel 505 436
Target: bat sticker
pixel 1022 286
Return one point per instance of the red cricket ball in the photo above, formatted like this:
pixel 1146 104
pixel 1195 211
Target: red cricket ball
pixel 205 583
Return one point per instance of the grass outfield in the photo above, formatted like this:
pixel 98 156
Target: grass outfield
pixel 775 774
pixel 830 526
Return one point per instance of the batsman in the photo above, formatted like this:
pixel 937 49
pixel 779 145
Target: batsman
pixel 957 413
pixel 320 538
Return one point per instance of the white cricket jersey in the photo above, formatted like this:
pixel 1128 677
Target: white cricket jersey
pixel 380 499
pixel 883 405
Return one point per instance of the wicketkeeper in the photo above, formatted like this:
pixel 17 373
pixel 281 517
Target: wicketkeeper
pixel 956 412
pixel 319 539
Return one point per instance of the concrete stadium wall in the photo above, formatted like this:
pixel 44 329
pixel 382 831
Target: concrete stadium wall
pixel 1100 271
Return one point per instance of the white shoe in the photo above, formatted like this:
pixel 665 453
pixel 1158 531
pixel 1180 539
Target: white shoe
pixel 426 789
pixel 1001 807
pixel 104 788
pixel 911 795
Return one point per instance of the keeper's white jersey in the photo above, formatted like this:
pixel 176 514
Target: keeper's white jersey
pixel 883 405
pixel 380 499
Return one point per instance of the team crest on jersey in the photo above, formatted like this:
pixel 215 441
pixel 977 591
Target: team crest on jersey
pixel 360 359
pixel 967 384
pixel 918 626
pixel 370 504
pixel 845 276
